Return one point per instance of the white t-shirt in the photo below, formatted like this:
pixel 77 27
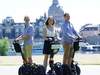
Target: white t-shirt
pixel 50 31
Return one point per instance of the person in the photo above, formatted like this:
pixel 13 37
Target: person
pixel 69 35
pixel 27 38
pixel 49 36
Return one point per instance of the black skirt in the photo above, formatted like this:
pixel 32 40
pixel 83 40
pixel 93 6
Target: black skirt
pixel 47 45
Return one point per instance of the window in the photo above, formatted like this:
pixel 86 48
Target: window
pixel 91 29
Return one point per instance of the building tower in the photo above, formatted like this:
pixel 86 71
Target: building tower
pixel 56 11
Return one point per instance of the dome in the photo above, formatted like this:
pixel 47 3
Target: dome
pixel 8 21
pixel 56 11
pixel 55 2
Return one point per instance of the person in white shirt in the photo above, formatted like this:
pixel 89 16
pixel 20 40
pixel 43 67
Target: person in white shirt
pixel 49 36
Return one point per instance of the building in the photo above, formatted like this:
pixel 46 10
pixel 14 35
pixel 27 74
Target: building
pixel 10 29
pixel 56 11
pixel 90 30
pixel 38 27
pixel 90 33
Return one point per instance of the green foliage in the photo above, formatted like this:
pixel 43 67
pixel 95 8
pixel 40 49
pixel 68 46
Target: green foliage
pixel 4 46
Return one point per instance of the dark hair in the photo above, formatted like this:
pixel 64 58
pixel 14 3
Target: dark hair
pixel 26 17
pixel 46 23
pixel 66 14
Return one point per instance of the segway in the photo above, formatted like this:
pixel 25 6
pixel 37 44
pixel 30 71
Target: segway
pixel 65 69
pixel 75 69
pixel 25 69
pixel 55 45
pixel 72 69
pixel 28 69
pixel 56 68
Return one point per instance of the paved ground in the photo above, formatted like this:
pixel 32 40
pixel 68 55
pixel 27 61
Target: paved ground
pixel 87 59
pixel 89 63
pixel 85 70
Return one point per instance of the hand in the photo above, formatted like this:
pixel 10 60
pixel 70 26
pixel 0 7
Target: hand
pixel 46 38
pixel 19 38
pixel 58 38
pixel 16 40
pixel 50 39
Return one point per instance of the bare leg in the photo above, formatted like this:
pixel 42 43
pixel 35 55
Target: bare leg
pixel 45 60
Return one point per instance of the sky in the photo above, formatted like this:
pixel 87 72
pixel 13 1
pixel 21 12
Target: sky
pixel 81 11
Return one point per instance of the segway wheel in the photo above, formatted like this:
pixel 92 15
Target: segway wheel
pixel 20 71
pixel 78 70
pixel 50 72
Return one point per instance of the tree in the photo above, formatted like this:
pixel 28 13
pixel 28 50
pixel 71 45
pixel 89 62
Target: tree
pixel 4 46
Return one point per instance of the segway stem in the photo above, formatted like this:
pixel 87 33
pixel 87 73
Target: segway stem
pixel 51 61
pixel 18 48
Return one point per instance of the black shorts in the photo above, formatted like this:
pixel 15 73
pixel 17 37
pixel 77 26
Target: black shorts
pixel 47 46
